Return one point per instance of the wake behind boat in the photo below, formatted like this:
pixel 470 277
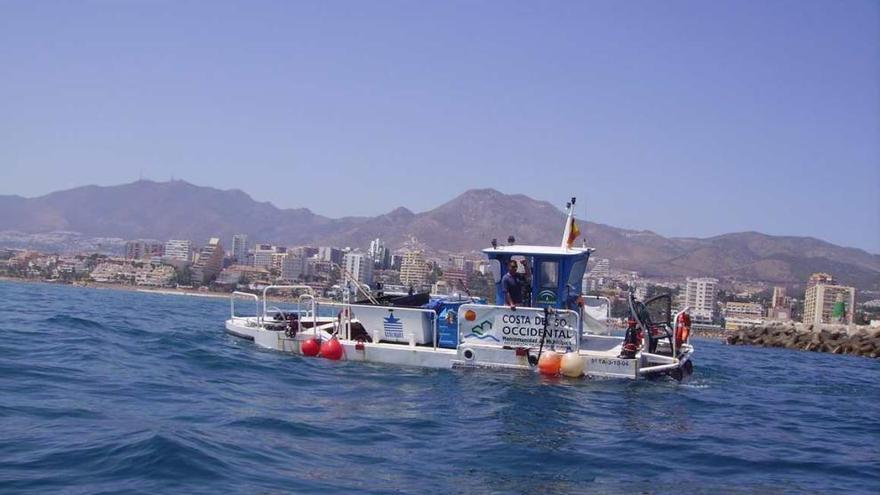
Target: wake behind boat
pixel 551 332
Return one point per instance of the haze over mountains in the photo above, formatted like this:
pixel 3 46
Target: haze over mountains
pixel 179 210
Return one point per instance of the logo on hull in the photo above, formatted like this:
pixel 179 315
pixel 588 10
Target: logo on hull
pixel 481 331
pixel 392 327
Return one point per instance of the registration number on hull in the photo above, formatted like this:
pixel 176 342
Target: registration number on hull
pixel 612 367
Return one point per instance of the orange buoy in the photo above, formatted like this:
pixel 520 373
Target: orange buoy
pixel 331 349
pixel 549 363
pixel 310 347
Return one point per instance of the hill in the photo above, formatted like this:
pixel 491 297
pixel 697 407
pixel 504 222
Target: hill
pixel 177 209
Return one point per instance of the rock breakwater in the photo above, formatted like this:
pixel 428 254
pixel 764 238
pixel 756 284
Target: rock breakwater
pixel 836 339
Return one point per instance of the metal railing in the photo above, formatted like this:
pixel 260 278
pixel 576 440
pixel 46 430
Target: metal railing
pixel 305 288
pixel 248 295
pixel 666 362
pixel 312 308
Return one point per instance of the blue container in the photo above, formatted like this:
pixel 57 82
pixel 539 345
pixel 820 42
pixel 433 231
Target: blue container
pixel 447 324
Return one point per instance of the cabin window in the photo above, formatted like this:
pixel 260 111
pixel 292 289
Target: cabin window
pixel 495 268
pixel 576 276
pixel 549 274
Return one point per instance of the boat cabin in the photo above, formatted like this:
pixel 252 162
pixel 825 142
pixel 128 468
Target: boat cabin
pixel 556 273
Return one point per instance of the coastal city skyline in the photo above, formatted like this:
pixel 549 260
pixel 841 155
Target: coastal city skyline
pixel 252 266
pixel 768 123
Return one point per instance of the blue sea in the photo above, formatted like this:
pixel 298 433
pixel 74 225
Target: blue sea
pixel 107 391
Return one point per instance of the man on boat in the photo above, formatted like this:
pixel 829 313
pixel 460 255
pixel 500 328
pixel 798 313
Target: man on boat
pixel 515 284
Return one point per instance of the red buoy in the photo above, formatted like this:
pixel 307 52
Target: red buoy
pixel 331 349
pixel 310 347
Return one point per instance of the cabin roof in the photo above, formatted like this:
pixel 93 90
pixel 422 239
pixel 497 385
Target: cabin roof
pixel 537 250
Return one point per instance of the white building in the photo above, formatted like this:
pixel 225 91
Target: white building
pixel 294 268
pixel 743 310
pixel 263 255
pixel 154 275
pixel 71 266
pixel 240 248
pixel 278 259
pixel 109 272
pixel 700 297
pixel 143 249
pixel 825 302
pixel 379 253
pixel 597 277
pixel 413 269
pixel 360 266
pixel 332 254
pixel 209 262
pixel 738 315
pixel 602 269
pixel 179 250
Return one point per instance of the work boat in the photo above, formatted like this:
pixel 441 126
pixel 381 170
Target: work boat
pixel 554 332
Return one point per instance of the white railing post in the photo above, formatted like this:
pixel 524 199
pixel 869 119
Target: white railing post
pixel 245 294
pixel 435 318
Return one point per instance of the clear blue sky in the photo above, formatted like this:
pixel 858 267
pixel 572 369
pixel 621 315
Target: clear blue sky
pixel 686 118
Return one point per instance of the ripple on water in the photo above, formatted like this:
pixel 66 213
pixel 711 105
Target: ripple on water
pixel 108 392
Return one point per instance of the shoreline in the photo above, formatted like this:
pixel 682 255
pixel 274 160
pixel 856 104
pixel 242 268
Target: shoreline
pixel 127 288
pixel 167 291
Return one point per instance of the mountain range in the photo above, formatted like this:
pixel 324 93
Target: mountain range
pixel 177 209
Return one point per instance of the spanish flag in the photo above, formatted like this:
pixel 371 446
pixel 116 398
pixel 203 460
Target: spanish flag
pixel 573 233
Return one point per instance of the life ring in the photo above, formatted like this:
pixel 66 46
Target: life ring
pixel 682 329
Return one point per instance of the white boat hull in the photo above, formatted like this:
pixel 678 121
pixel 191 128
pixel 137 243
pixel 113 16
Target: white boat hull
pixel 599 352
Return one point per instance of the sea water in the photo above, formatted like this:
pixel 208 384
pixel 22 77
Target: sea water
pixel 106 391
